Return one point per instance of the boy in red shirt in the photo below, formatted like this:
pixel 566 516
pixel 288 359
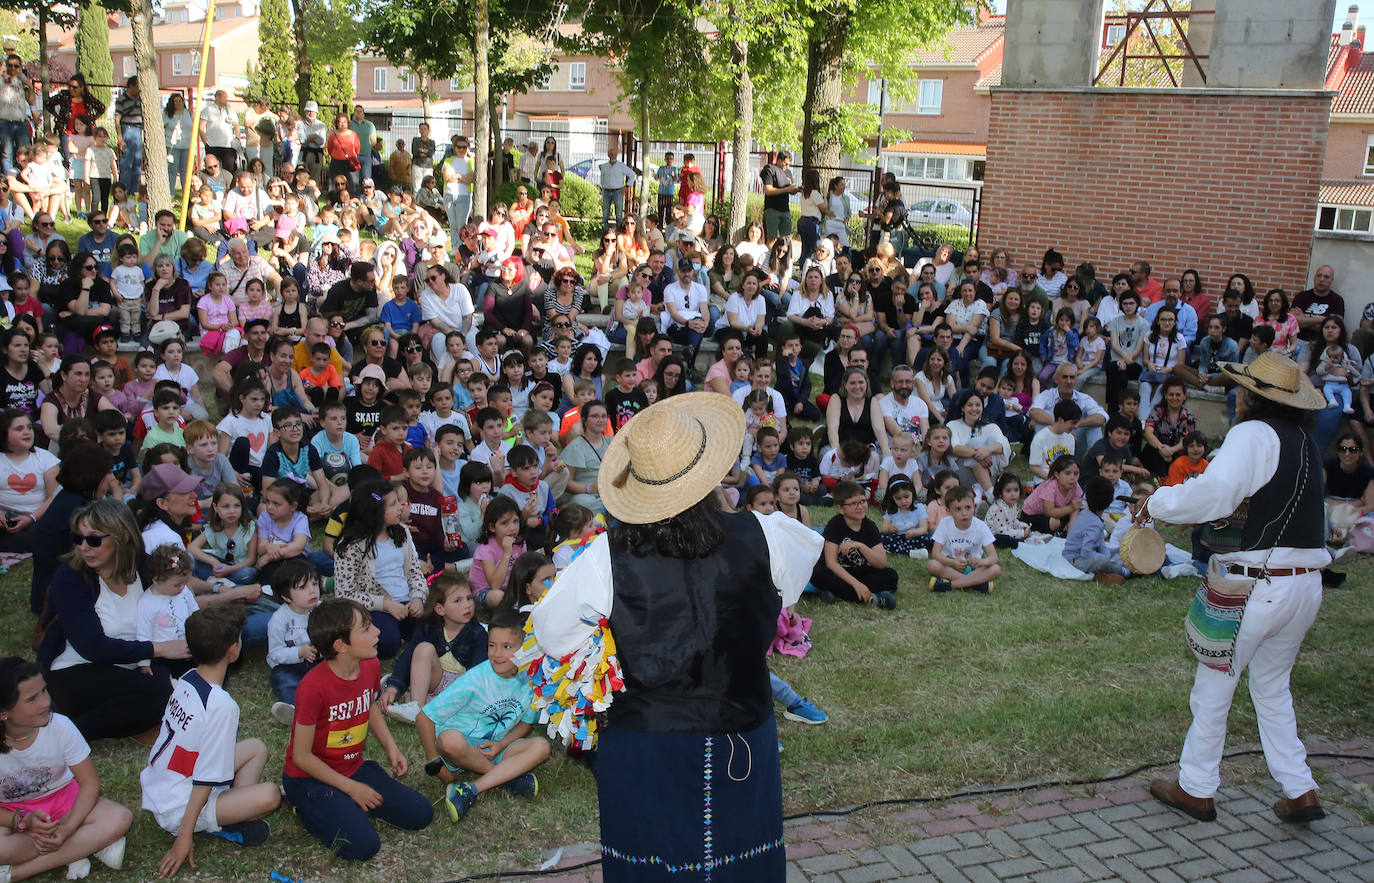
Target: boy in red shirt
pixel 391 443
pixel 333 789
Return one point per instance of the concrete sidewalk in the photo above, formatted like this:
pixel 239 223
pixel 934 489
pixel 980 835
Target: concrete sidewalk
pixel 1111 831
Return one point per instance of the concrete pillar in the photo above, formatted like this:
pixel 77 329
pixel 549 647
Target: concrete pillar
pixel 1052 42
pixel 1200 23
pixel 1270 44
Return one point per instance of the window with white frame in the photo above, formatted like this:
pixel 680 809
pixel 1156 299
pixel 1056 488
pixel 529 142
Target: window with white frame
pixel 1369 156
pixel 178 64
pixel 407 79
pixel 875 94
pixel 195 62
pixel 455 84
pixel 379 78
pixel 1345 219
pixel 577 76
pixel 1115 34
pixel 128 65
pixel 929 97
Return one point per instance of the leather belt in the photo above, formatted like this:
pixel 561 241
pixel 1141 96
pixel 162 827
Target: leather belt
pixel 1268 572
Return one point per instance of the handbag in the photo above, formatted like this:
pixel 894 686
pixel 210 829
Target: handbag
pixel 1214 617
pixel 354 164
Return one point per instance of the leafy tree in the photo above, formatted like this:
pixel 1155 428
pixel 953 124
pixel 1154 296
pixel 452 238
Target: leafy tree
pixel 92 40
pixel 274 75
pixel 326 37
pixel 848 38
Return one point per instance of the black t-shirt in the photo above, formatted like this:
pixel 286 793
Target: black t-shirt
pixel 835 283
pixel 624 405
pixel 837 531
pixel 1350 485
pixel 806 469
pixel 125 462
pixel 898 209
pixel 1103 448
pixel 776 176
pixel 363 419
pixel 350 304
pixel 1314 306
pixel 21 393
pixel 1239 328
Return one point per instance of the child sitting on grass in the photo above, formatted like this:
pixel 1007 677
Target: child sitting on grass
pixel 853 565
pixel 335 791
pixel 198 778
pixel 941 483
pixel 1054 504
pixel 480 724
pixel 1086 546
pixel 289 651
pixel 446 643
pixel 904 527
pixel 1003 517
pixel 963 553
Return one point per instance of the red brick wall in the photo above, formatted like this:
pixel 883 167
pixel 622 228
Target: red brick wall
pixel 1223 183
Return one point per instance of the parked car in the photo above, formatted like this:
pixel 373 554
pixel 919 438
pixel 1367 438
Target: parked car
pixel 938 211
pixel 583 169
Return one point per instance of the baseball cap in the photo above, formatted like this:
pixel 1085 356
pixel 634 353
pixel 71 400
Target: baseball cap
pixel 102 330
pixel 166 478
pixel 372 372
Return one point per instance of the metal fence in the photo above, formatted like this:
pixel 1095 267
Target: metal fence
pixel 942 213
pixel 705 154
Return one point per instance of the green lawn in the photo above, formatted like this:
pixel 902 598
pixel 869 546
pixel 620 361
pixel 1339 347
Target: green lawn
pixel 1042 679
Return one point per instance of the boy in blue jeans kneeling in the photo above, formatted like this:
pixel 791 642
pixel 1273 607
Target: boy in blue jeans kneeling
pixel 480 722
pixel 333 789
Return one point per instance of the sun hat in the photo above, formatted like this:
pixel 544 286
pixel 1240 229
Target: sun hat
pixel 1277 378
pixel 163 331
pixel 310 105
pixel 166 478
pixel 670 456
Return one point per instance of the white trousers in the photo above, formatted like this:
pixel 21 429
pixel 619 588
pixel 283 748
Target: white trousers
pixel 1277 616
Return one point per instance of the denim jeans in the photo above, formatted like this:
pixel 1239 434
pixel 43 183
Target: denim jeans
pixel 286 678
pixel 612 200
pixel 345 828
pixel 131 157
pixel 241 577
pixel 783 692
pixel 176 165
pixel 457 207
pixel 13 135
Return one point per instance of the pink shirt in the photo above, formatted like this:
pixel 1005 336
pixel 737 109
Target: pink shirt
pixel 1048 493
pixel 491 551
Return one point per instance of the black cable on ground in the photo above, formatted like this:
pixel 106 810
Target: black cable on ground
pixel 916 801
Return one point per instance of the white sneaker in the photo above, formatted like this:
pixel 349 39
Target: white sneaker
pixel 404 711
pixel 79 869
pixel 1348 409
pixel 112 856
pixel 5 876
pixel 284 712
pixel 919 554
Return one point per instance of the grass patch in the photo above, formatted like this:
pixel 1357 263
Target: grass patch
pixel 1042 679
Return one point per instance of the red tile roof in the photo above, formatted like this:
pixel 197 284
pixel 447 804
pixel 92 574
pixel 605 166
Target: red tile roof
pixel 1352 193
pixel 1357 89
pixel 966 45
pixel 991 78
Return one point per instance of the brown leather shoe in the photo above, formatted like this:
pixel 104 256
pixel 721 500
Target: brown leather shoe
pixel 1109 579
pixel 1170 793
pixel 1303 808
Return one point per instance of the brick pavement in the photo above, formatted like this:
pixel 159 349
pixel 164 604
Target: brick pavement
pixel 1110 831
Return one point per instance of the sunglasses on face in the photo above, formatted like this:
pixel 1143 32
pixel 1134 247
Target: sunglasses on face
pixel 562 324
pixel 336 324
pixel 414 349
pixel 1348 449
pixel 376 343
pixel 89 539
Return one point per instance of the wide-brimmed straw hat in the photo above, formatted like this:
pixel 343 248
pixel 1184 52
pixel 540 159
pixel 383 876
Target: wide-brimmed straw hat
pixel 670 456
pixel 1278 379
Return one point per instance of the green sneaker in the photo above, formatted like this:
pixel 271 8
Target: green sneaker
pixel 458 799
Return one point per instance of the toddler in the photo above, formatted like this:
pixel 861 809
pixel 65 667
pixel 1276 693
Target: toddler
pixel 1336 370
pixel 901 462
pixel 168 603
pixel 1003 517
pixel 126 278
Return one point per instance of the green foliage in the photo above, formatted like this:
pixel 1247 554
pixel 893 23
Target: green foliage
pixel 274 75
pixel 331 82
pixel 578 199
pixel 92 40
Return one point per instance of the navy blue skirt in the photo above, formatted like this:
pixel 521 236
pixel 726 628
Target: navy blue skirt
pixel 691 806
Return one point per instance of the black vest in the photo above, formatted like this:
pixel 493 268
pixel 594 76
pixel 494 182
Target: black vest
pixel 1288 511
pixel 692 635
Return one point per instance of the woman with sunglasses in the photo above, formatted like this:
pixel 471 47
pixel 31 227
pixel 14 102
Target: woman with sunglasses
pixel 1350 476
pixel 86 300
pixel 75 103
pixel 50 278
pixel 89 655
pixel 445 304
pixel 83 475
pixel 373 345
pixel 610 267
pixel 564 297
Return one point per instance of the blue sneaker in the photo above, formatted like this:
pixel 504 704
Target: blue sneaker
pixel 252 833
pixel 523 786
pixel 458 799
pixel 804 712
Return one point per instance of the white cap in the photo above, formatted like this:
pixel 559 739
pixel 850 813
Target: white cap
pixel 310 105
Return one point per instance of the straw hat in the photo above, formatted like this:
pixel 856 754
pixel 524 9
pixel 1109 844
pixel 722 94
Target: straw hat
pixel 670 456
pixel 1278 379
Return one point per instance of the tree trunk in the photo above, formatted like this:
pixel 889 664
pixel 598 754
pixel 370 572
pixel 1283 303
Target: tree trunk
pixel 644 206
pixel 303 86
pixel 481 114
pixel 154 140
pixel 824 91
pixel 44 76
pixel 498 162
pixel 426 89
pixel 743 138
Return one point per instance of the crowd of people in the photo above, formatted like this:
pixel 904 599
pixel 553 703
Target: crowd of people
pixel 435 398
